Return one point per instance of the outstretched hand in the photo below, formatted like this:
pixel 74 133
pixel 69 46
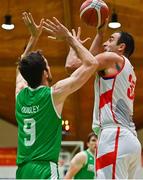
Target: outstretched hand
pixel 78 34
pixel 56 29
pixel 34 29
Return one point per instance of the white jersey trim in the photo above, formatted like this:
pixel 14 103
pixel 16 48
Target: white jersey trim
pixel 54 173
pixel 34 89
pixel 31 89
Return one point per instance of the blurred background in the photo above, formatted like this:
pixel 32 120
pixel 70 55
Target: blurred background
pixel 77 113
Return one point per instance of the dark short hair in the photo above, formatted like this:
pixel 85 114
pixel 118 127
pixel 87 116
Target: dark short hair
pixel 90 135
pixel 129 42
pixel 32 67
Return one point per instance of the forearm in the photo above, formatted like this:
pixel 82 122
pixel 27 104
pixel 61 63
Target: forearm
pixel 96 46
pixel 20 82
pixel 30 46
pixel 84 55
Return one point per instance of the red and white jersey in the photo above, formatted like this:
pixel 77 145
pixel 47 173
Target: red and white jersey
pixel 114 97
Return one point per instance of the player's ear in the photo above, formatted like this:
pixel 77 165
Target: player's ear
pixel 45 73
pixel 87 144
pixel 49 75
pixel 121 47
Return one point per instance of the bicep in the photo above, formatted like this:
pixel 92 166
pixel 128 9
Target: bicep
pixel 20 83
pixel 108 59
pixel 73 170
pixel 76 164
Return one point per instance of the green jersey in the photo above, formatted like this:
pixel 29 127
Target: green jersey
pixel 87 171
pixel 39 126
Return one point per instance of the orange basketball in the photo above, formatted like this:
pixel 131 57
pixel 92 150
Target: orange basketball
pixel 94 12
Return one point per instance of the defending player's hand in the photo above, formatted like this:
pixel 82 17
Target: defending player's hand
pixel 78 36
pixel 34 29
pixel 56 29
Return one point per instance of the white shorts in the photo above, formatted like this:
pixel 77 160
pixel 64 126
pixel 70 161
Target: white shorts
pixel 118 154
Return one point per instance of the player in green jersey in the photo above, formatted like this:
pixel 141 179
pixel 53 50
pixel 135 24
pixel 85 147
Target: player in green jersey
pixel 82 164
pixel 39 106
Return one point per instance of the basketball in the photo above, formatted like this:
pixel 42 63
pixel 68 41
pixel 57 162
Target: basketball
pixel 94 12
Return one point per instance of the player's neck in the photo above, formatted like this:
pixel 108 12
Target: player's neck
pixel 44 82
pixel 91 152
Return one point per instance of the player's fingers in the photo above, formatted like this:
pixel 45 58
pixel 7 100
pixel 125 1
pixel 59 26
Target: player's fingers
pixel 27 18
pixel 85 40
pixel 73 32
pixel 25 22
pixel 57 22
pixel 106 22
pixel 78 32
pixel 49 26
pixel 51 23
pixel 59 25
pixel 48 29
pixel 31 18
pixel 41 22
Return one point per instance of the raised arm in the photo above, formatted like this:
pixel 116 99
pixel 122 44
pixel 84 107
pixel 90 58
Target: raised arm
pixel 90 64
pixel 59 31
pixel 35 31
pixel 96 46
pixel 79 77
pixel 72 60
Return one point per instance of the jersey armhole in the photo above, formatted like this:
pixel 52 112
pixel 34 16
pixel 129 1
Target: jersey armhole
pixel 123 65
pixel 59 116
pixel 114 75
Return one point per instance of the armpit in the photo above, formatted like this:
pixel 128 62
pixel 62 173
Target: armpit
pixel 20 83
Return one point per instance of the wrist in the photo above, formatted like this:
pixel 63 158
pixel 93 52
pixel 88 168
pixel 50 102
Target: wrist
pixel 68 35
pixel 69 39
pixel 34 37
pixel 100 31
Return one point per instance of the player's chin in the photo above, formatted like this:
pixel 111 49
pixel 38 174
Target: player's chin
pixel 94 146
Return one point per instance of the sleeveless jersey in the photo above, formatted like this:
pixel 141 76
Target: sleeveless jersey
pixel 39 126
pixel 87 171
pixel 114 97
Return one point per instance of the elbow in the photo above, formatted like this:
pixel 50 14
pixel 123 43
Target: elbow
pixel 94 63
pixel 71 68
pixel 95 60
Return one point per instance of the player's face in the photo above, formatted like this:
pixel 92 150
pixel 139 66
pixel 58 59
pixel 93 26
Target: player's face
pixel 111 44
pixel 92 144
